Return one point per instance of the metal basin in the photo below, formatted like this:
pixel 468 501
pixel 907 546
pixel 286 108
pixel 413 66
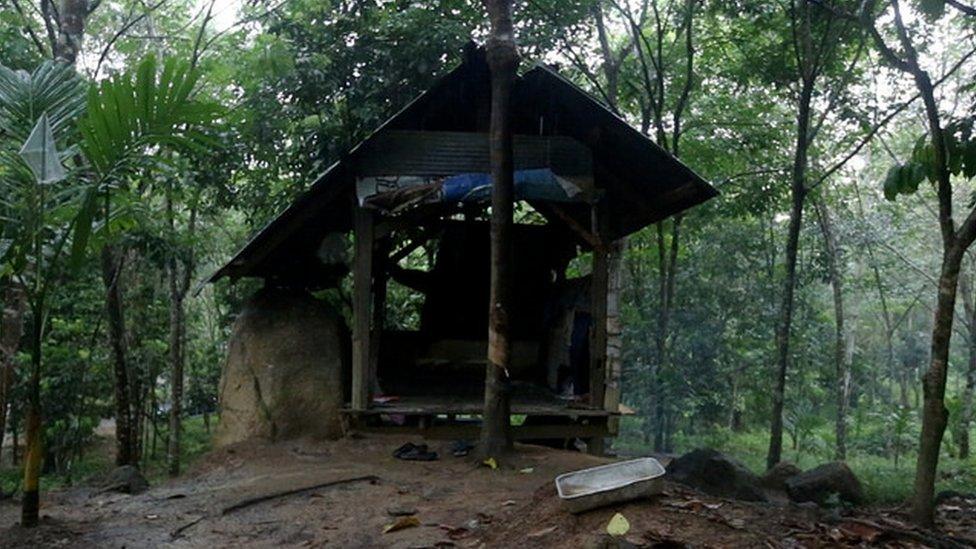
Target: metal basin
pixel 608 484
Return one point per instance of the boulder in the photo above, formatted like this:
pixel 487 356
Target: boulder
pixel 820 483
pixel 775 478
pixel 717 474
pixel 283 378
pixel 126 479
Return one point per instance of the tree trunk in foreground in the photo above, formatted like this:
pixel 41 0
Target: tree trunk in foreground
pixel 111 272
pixel 935 416
pixel 503 61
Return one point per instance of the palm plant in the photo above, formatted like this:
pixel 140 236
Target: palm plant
pixel 38 215
pixel 131 121
pixel 119 131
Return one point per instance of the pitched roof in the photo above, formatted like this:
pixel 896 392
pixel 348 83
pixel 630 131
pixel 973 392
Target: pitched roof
pixel 643 182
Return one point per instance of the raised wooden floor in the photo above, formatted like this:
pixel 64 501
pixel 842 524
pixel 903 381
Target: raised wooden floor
pixel 455 405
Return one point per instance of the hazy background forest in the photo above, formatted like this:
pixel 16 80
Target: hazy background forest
pixel 292 84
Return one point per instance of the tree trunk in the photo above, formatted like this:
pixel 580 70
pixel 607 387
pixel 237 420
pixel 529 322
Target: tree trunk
pixel 11 331
pixel 71 30
pixel 934 413
pixel 783 329
pixel 966 414
pixel 841 365
pixel 179 285
pixel 668 266
pixel 503 61
pixel 176 375
pixel 966 417
pixel 30 504
pixel 798 194
pixel 111 260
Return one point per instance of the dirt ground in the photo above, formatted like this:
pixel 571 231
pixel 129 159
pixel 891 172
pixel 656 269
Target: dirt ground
pixel 456 503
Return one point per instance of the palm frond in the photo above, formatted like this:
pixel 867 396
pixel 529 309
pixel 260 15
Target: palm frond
pixel 52 88
pixel 133 113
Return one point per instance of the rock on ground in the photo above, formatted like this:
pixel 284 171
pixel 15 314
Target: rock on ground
pixel 284 370
pixel 820 483
pixel 775 478
pixel 126 479
pixel 715 473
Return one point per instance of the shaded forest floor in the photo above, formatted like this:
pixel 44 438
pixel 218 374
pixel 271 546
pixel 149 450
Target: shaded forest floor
pixel 457 503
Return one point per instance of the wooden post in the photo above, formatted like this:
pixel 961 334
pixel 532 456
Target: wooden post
pixel 381 257
pixel 363 230
pixel 598 311
pixel 502 54
pixel 614 358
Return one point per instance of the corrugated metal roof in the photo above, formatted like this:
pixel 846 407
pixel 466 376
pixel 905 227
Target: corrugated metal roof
pixel 644 183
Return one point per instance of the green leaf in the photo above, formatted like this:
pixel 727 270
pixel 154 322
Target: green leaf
pixel 83 229
pixel 969 159
pixel 932 9
pixel 618 525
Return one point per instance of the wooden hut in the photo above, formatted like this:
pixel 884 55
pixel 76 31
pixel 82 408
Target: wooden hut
pixel 584 178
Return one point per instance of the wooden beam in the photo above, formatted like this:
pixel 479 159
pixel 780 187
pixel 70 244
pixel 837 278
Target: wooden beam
pixel 574 225
pixel 453 431
pixel 363 230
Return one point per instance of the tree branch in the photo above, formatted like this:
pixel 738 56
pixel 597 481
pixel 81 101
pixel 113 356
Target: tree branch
pixel 29 29
pixel 884 122
pixel 130 22
pixel 968 10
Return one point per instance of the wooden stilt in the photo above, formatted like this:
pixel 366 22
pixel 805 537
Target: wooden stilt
pixel 363 229
pixel 598 328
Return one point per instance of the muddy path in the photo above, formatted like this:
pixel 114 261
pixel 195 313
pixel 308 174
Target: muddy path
pixel 456 503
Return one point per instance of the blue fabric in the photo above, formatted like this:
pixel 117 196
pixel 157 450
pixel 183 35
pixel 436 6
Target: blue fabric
pixel 538 184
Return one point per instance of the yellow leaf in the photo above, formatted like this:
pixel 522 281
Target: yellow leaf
pixel 618 525
pixel 490 462
pixel 401 524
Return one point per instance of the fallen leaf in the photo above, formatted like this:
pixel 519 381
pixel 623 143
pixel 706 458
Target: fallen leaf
pixel 402 523
pixel 490 462
pixel 152 517
pixel 542 532
pixel 618 525
pixel 860 531
pixel 508 502
pixel 527 470
pixel 692 504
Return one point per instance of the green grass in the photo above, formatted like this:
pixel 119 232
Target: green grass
pixel 98 460
pixel 884 482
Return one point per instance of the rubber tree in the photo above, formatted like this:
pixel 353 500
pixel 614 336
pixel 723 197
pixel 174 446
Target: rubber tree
pixel 819 41
pixel 943 152
pixel 662 35
pixel 841 358
pixel 503 60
